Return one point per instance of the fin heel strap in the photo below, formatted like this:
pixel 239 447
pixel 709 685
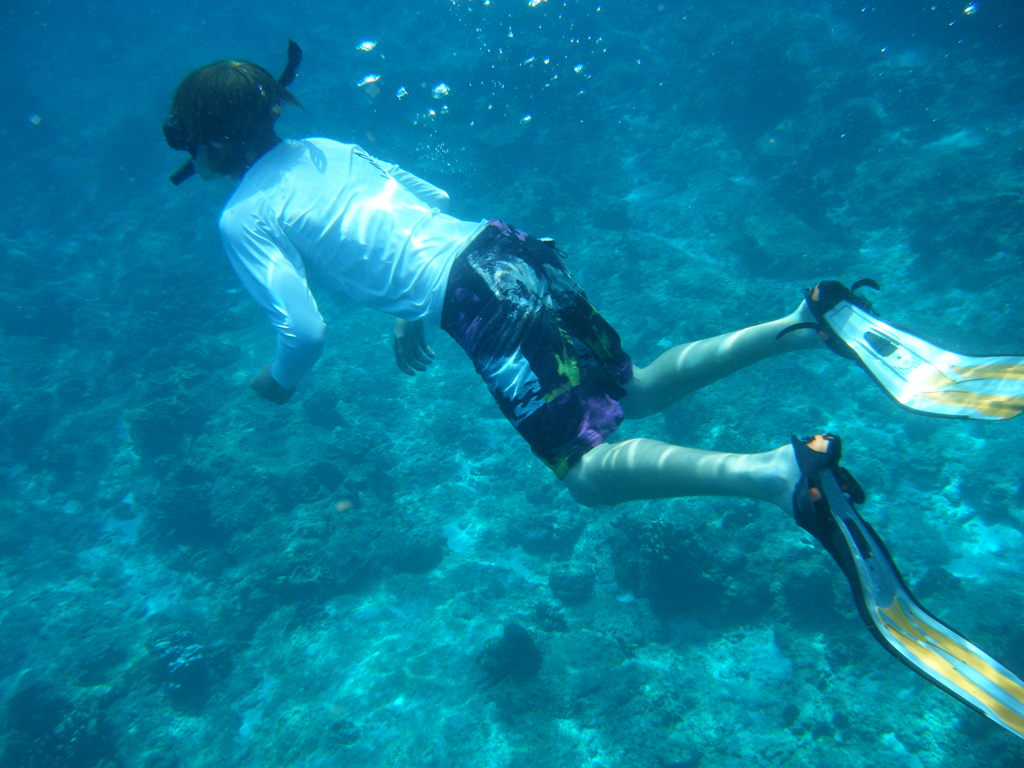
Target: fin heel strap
pixel 824 297
pixel 812 463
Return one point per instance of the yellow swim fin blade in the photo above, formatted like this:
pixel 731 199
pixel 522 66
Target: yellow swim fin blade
pixel 922 376
pixel 906 629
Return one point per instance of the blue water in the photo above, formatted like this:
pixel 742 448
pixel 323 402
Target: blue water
pixel 192 577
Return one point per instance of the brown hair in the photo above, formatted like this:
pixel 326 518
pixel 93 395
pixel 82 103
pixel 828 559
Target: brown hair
pixel 233 102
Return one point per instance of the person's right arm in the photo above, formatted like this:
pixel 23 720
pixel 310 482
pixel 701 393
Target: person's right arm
pixel 409 343
pixel 433 196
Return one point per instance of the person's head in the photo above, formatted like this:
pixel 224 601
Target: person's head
pixel 223 115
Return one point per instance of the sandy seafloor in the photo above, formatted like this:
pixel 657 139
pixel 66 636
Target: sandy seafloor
pixel 192 577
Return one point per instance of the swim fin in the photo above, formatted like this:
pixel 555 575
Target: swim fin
pixel 895 618
pixel 916 373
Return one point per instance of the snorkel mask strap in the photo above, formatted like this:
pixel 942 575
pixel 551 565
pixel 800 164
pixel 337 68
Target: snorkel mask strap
pixel 188 168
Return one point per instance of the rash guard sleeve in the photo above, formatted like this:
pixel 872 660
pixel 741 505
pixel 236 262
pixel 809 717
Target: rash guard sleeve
pixel 272 272
pixel 423 190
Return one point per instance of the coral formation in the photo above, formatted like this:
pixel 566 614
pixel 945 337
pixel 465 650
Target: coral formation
pixel 515 656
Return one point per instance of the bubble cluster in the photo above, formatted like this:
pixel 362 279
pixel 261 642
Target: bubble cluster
pixel 505 63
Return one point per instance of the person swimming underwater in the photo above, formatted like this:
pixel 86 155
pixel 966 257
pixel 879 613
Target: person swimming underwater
pixel 556 368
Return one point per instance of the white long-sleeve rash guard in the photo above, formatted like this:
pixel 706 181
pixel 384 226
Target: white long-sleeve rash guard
pixel 371 230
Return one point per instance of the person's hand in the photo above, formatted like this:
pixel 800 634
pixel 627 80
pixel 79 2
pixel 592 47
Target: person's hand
pixel 263 384
pixel 412 353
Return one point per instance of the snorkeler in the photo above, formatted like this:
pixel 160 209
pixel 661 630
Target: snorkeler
pixel 555 367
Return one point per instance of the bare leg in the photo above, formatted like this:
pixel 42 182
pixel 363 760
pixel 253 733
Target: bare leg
pixel 688 367
pixel 613 473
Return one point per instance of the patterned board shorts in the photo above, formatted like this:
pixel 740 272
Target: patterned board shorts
pixel 553 364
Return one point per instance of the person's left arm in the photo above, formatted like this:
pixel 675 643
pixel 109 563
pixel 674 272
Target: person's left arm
pixel 278 284
pixel 264 385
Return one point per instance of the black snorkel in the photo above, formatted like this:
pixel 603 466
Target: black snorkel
pixel 188 168
pixel 173 131
pixel 292 67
